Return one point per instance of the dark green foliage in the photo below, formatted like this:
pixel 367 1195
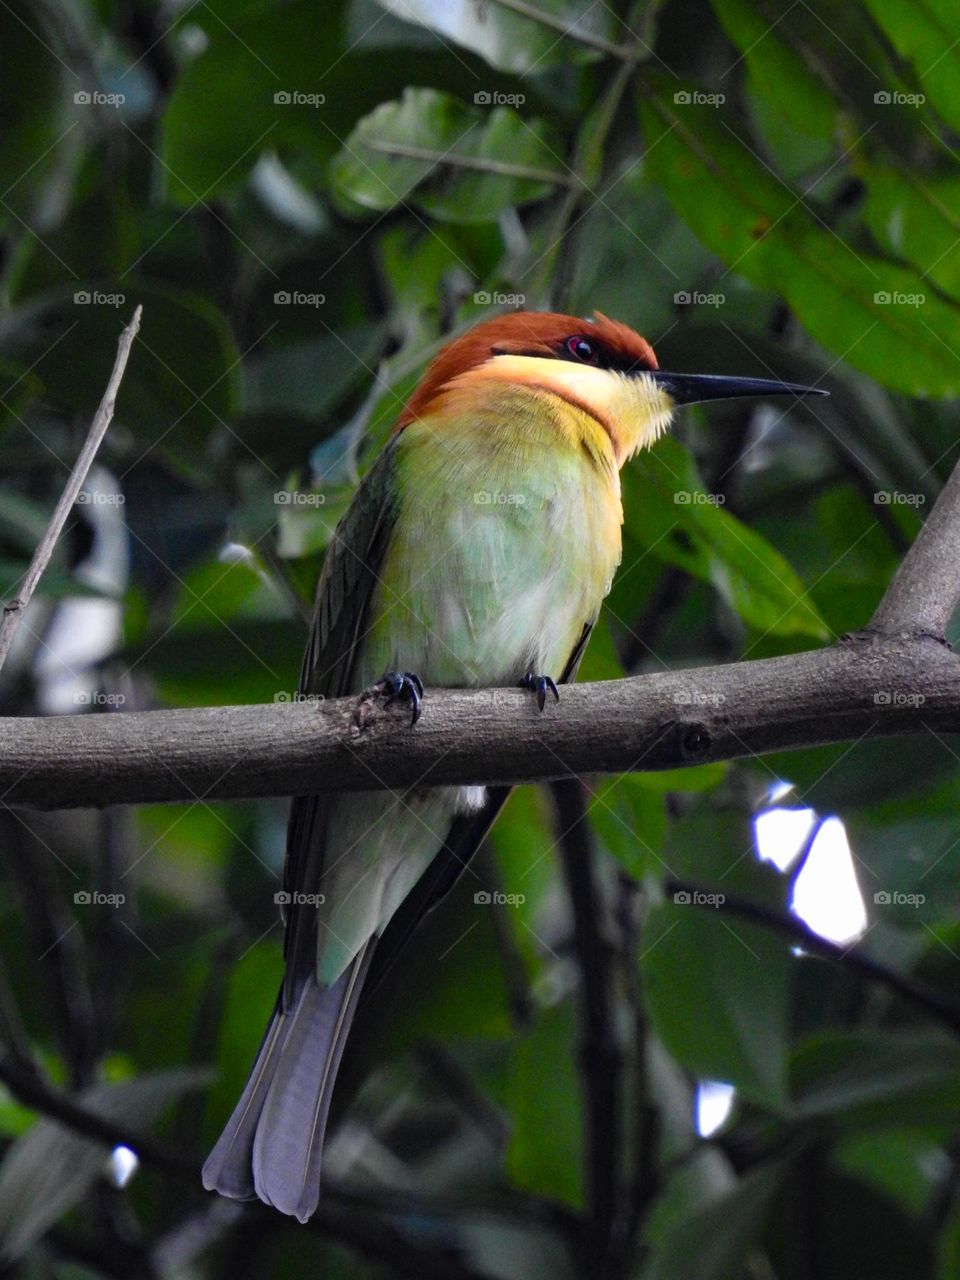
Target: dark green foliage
pixel 308 198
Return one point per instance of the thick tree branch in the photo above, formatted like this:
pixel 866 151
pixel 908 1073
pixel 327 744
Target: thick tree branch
pixel 863 685
pixel 925 589
pixel 14 610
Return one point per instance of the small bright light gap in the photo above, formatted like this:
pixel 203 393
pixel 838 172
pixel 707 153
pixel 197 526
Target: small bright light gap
pixel 826 895
pixel 122 1165
pixel 714 1101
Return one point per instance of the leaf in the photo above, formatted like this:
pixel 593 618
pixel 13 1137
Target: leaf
pixel 880 316
pixel 915 877
pixel 545 1151
pixel 780 75
pixel 915 218
pixel 312 376
pixel 251 992
pixel 455 162
pixel 866 1077
pixel 222 114
pixel 30 107
pixel 512 41
pixel 924 31
pixel 182 380
pixel 630 821
pixel 711 1241
pixel 669 516
pixel 718 990
pixel 49 1170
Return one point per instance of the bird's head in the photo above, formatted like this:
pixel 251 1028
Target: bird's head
pixel 601 366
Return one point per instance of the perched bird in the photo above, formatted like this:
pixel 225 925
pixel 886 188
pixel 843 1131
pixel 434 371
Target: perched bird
pixel 477 551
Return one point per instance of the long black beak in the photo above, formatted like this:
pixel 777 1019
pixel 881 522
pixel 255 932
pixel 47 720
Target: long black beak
pixel 692 388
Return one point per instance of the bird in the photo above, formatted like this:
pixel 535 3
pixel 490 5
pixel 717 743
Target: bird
pixel 476 552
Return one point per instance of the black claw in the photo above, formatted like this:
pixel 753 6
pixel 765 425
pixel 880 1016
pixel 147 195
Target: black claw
pixel 405 684
pixel 540 684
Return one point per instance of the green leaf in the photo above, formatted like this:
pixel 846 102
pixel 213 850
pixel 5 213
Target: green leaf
pixel 880 316
pixel 718 989
pixel 711 1241
pixel 512 41
pixel 669 516
pixel 31 108
pixel 901 1163
pixel 865 1077
pixel 915 218
pixel 924 32
pixel 313 375
pixel 630 821
pixel 254 980
pixel 223 115
pixel 183 378
pixel 780 75
pixel 455 162
pixel 545 1151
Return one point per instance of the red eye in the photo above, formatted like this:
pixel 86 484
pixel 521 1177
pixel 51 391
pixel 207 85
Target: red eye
pixel 581 350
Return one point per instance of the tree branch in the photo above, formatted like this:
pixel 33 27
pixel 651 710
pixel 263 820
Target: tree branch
pixel 14 610
pixel 601 1059
pixel 864 685
pixel 925 589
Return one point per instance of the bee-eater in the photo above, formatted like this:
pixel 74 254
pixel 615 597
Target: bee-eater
pixel 477 551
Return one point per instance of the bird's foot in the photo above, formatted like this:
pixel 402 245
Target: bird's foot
pixel 540 684
pixel 404 684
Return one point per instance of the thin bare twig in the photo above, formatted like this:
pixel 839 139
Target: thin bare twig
pixel 14 610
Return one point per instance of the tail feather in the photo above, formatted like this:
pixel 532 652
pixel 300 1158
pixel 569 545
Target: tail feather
pixel 273 1143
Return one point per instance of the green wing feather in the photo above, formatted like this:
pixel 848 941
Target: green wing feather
pixel 350 573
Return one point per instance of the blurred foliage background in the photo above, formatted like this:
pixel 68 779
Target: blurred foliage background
pixel 308 198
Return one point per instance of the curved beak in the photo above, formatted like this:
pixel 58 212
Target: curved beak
pixel 693 388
